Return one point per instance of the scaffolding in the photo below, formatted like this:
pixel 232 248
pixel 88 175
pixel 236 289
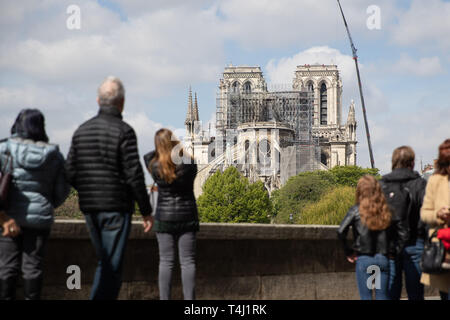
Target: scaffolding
pixel 291 108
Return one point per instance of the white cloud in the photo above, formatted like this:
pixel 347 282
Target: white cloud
pixel 271 24
pixel 151 51
pixel 16 98
pixel 135 8
pixel 424 67
pixel 282 71
pixel 425 24
pixel 145 130
pixel 419 129
pixel 44 65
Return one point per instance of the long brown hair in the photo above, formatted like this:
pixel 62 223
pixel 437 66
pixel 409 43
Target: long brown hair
pixel 443 162
pixel 164 143
pixel 373 208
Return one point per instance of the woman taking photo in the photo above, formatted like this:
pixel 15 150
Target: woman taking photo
pixel 38 186
pixel 435 212
pixel 176 216
pixel 374 238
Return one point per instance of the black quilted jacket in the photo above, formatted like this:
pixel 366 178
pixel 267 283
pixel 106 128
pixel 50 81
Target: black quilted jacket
pixel 103 165
pixel 176 200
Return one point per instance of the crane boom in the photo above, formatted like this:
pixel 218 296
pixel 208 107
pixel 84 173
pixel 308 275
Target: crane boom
pixel 355 58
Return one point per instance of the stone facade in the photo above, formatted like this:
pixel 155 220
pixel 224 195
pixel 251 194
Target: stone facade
pixel 337 141
pixel 272 135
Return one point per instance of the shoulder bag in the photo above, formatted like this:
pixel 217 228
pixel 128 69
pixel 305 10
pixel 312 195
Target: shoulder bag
pixel 433 255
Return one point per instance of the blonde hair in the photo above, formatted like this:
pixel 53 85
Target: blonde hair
pixel 373 207
pixel 164 145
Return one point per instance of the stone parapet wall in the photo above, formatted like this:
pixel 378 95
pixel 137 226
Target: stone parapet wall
pixel 234 261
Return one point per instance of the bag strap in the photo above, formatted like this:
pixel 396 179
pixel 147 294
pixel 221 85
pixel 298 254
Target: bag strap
pixel 433 235
pixel 8 156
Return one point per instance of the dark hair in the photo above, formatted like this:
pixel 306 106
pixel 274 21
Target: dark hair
pixel 30 124
pixel 403 157
pixel 443 162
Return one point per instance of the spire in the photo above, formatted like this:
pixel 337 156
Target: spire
pixel 351 113
pixel 196 118
pixel 189 117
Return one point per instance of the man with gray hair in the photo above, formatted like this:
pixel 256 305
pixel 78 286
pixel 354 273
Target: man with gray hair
pixel 103 166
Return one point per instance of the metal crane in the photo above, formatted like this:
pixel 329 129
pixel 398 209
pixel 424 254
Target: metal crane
pixel 355 57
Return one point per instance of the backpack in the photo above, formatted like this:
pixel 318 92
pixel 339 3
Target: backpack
pixel 399 200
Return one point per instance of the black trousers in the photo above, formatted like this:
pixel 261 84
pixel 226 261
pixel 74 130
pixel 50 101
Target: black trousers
pixel 23 254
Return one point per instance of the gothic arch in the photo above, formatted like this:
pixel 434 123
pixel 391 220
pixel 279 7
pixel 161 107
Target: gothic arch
pixel 323 103
pixel 264 152
pixel 325 156
pixel 235 86
pixel 247 86
pixel 246 151
pixel 324 80
pixel 310 81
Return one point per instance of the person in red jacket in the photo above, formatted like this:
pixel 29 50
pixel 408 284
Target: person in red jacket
pixel 444 236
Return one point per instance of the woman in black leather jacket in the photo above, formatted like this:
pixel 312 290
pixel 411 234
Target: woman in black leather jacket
pixel 176 216
pixel 374 238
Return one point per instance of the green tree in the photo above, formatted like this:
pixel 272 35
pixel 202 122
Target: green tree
pixel 69 209
pixel 310 187
pixel 298 191
pixel 229 197
pixel 330 209
pixel 349 175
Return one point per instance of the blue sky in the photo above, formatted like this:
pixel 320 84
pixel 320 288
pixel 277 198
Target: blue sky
pixel 159 48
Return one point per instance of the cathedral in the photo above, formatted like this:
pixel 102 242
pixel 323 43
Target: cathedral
pixel 271 135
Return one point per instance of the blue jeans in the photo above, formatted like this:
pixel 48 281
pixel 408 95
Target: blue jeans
pixel 408 261
pixel 109 234
pixel 364 264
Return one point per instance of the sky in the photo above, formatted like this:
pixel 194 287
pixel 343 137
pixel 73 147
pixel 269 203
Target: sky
pixel 159 48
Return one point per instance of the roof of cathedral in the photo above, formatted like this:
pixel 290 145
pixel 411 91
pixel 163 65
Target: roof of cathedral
pixel 317 66
pixel 242 69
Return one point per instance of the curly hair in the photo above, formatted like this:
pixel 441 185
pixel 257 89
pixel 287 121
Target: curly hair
pixel 443 162
pixel 373 207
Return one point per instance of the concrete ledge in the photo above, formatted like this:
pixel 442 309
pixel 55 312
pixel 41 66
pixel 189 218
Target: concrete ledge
pixel 234 261
pixel 76 229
